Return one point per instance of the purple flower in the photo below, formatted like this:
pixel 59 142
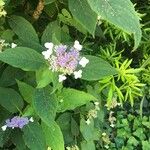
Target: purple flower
pixel 65 61
pixel 16 122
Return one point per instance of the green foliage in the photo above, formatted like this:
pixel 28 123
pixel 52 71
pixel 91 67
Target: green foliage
pixel 44 99
pixel 121 14
pixel 25 58
pixel 97 69
pixel 55 141
pixel 104 103
pixel 10 100
pixel 88 18
pixel 34 137
pixel 69 99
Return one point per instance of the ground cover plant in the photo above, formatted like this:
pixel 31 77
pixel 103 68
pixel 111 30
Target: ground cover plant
pixel 75 74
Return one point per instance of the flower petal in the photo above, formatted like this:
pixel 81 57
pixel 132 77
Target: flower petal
pixel 77 74
pixel 4 127
pixel 13 45
pixel 77 45
pixel 49 45
pixel 62 78
pixel 83 62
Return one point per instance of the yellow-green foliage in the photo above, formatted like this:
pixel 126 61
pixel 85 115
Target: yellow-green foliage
pixel 2 11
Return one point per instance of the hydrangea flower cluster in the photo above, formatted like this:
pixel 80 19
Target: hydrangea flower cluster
pixel 2 11
pixel 65 60
pixel 16 122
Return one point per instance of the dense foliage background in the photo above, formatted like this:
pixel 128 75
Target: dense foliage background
pixel 108 107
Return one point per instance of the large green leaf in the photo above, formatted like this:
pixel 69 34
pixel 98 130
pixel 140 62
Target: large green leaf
pixel 64 122
pixel 26 91
pixel 45 104
pixel 43 77
pixel 53 135
pixel 17 139
pixel 87 145
pixel 34 137
pixel 71 98
pixel 23 29
pixel 89 131
pixel 10 100
pixel 25 58
pixel 9 76
pixel 97 68
pixel 121 13
pixel 82 12
pixel 51 30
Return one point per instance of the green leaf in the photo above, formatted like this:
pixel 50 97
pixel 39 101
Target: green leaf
pixel 145 145
pixel 43 77
pixel 26 91
pixel 17 139
pixel 88 131
pixel 97 68
pixel 25 58
pixel 34 137
pixel 64 121
pixel 53 135
pixel 74 127
pixel 71 98
pixel 23 29
pixel 51 30
pixel 67 19
pixel 121 13
pixel 9 76
pixel 46 2
pixel 139 133
pixel 10 100
pixel 133 141
pixel 45 104
pixel 87 145
pixel 28 111
pixel 82 12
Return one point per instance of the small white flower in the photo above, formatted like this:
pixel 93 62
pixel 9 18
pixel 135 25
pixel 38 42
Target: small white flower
pixel 13 45
pixel 98 17
pixel 88 121
pixel 49 148
pixel 83 62
pixel 96 103
pixel 106 146
pixel 104 134
pixel 48 45
pixel 112 125
pixel 77 45
pixel 4 127
pixel 61 100
pixel 119 104
pixel 77 74
pixel 47 53
pixel 31 119
pixel 62 78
